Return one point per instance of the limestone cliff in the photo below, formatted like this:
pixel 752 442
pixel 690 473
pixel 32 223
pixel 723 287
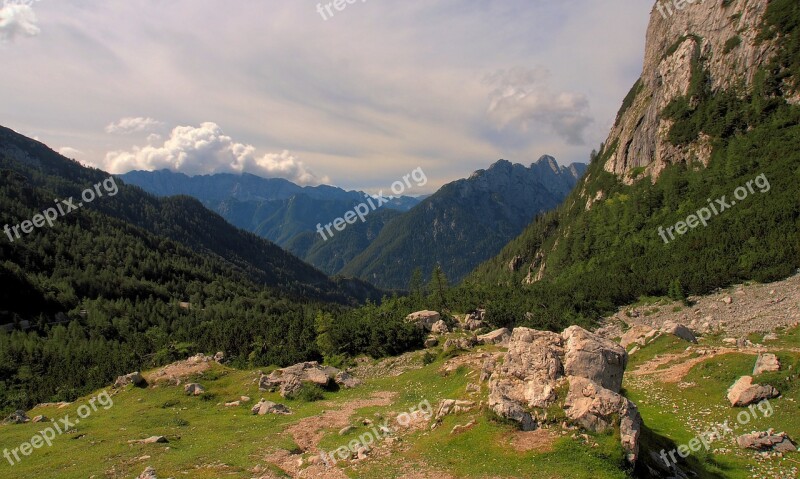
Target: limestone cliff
pixel 719 36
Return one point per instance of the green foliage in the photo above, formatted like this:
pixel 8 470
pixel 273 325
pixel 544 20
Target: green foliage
pixel 308 392
pixel 628 101
pixel 732 43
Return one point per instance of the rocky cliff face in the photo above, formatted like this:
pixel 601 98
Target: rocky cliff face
pixel 719 36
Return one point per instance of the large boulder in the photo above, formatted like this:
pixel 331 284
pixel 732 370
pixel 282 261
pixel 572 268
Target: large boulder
pixel 592 357
pixel 766 441
pixel 134 378
pixel 498 336
pixel 743 392
pixel 766 363
pixel 679 330
pixel 539 364
pixel 424 319
pixel 597 409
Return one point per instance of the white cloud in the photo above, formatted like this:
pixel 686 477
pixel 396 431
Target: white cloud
pixel 129 125
pixel 207 150
pixel 69 152
pixel 17 18
pixel 523 97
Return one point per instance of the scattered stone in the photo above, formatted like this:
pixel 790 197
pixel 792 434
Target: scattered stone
pixel 743 392
pixel 194 389
pixel 347 430
pixel 452 406
pixel 40 418
pixel 473 388
pixel 440 327
pixel 474 321
pixel 268 407
pixel 362 453
pixel 766 363
pixel 150 440
pixel 245 398
pixel 219 357
pixel 770 337
pixel 17 417
pixel 727 300
pixel 431 342
pixel 731 341
pixel 289 380
pixel 462 427
pixel 133 378
pixel 461 343
pixel 233 404
pixel 767 441
pixel 498 336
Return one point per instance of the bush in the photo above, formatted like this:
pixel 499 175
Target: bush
pixel 308 393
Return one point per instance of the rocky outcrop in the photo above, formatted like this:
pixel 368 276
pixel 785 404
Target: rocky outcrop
pixel 743 392
pixel 767 441
pixel 540 364
pixel 698 33
pixel 474 321
pixel 680 331
pixel 766 363
pixel 289 380
pixel 133 378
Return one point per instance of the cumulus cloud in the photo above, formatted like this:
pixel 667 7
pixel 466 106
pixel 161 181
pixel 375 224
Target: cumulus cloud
pixel 130 125
pixel 17 18
pixel 520 98
pixel 69 152
pixel 207 150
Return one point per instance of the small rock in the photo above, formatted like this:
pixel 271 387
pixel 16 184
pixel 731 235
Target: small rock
pixel 18 417
pixel 148 473
pixel 727 300
pixel 194 389
pixel 41 418
pixel 767 441
pixel 346 430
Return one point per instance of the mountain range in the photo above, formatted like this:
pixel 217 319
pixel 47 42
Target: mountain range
pixel 441 229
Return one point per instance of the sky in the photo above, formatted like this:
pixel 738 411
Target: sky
pixel 356 97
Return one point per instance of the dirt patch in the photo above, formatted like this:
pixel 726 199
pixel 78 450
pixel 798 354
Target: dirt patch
pixel 540 440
